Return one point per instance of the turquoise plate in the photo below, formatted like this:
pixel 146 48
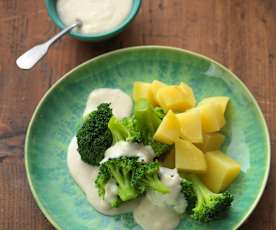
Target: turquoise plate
pixel 55 120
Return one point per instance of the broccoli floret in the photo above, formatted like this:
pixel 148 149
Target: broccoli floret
pixel 209 206
pixel 102 179
pixel 124 130
pixel 160 112
pixel 148 120
pixel 189 193
pixel 121 170
pixel 146 177
pixel 94 137
pixel 132 177
pixel 116 202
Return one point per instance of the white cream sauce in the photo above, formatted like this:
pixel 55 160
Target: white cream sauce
pixel 154 211
pixel 111 191
pixel 152 217
pixel 85 175
pixel 175 199
pixel 98 16
pixel 123 148
pixel 121 103
pixel 164 209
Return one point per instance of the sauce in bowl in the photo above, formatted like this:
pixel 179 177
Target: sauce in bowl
pixel 98 16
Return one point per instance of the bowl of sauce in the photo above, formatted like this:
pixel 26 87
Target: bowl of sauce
pixel 102 19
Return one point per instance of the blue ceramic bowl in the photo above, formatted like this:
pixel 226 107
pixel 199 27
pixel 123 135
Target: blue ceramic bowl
pixel 52 12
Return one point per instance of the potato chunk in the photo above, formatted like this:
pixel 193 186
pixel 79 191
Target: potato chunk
pixel 221 101
pixel 212 118
pixel 154 87
pixel 189 158
pixel 177 98
pixel 141 90
pixel 189 95
pixel 211 142
pixel 190 125
pixel 221 171
pixel 168 131
pixel 171 97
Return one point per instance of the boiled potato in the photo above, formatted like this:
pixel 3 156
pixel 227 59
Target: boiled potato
pixel 211 142
pixel 154 87
pixel 221 101
pixel 141 90
pixel 212 118
pixel 189 94
pixel 168 160
pixel 171 97
pixel 190 125
pixel 168 131
pixel 189 158
pixel 176 98
pixel 221 171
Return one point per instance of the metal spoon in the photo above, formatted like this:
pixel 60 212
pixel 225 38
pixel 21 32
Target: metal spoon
pixel 33 56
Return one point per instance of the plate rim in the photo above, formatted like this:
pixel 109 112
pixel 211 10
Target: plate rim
pixel 260 113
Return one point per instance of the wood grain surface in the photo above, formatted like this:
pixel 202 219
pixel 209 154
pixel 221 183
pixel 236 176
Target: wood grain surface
pixel 241 34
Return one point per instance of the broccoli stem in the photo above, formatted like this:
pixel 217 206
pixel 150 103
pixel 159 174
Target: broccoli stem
pixel 126 190
pixel 201 190
pixel 155 183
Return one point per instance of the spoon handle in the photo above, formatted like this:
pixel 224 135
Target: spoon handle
pixel 33 56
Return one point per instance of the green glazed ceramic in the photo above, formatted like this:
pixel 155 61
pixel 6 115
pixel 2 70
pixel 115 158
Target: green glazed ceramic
pixel 52 12
pixel 56 118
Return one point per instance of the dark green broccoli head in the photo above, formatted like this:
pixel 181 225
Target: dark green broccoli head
pixel 189 193
pixel 147 177
pixel 94 137
pixel 148 120
pixel 213 207
pixel 124 130
pixel 209 206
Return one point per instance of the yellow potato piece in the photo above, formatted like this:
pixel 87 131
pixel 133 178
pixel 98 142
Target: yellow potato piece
pixel 190 125
pixel 211 142
pixel 168 131
pixel 168 160
pixel 189 94
pixel 141 90
pixel 221 171
pixel 212 118
pixel 189 158
pixel 221 101
pixel 176 98
pixel 171 97
pixel 154 87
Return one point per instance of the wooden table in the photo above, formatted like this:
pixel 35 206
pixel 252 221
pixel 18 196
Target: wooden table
pixel 241 34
